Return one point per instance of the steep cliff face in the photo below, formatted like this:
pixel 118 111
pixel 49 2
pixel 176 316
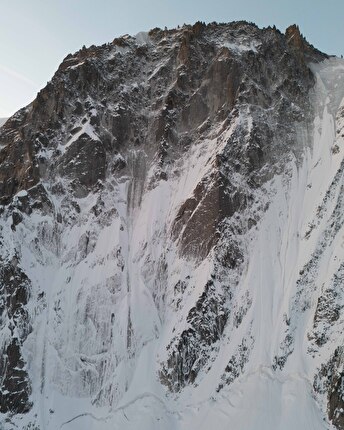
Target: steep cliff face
pixel 172 236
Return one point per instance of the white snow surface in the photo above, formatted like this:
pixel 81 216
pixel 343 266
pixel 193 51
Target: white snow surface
pixel 142 38
pixel 88 295
pixel 2 121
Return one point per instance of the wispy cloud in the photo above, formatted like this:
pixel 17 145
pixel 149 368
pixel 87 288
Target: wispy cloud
pixel 18 76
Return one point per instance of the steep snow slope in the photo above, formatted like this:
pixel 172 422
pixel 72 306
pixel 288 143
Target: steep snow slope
pixel 188 275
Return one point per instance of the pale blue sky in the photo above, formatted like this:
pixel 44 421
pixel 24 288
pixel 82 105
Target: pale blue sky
pixel 35 35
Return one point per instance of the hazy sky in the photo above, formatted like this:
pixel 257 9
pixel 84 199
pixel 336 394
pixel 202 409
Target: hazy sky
pixel 35 35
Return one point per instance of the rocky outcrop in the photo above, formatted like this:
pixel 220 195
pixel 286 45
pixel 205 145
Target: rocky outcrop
pixel 15 386
pixel 330 381
pixel 296 40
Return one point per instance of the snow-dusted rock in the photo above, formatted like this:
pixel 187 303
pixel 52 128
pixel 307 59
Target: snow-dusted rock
pixel 172 237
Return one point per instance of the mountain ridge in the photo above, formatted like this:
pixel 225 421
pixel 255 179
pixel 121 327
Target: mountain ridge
pixel 165 234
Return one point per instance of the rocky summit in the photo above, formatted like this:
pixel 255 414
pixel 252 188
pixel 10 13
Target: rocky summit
pixel 171 237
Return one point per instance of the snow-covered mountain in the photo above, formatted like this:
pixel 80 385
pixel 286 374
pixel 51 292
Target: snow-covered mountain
pixel 172 237
pixel 2 121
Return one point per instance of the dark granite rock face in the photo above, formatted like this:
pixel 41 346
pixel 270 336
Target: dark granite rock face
pixel 15 386
pixel 330 380
pixel 84 161
pixel 189 352
pixel 192 82
pixel 336 401
pixel 18 170
pixel 197 222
